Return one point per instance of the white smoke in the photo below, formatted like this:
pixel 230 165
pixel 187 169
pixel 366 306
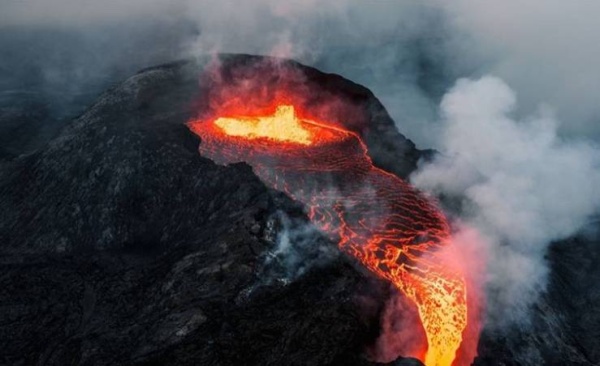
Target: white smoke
pixel 545 49
pixel 524 186
pixel 298 247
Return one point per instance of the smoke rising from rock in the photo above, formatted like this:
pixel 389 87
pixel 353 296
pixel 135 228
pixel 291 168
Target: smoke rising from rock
pixel 299 246
pixel 523 186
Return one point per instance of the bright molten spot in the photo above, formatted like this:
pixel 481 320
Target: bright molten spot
pixel 282 126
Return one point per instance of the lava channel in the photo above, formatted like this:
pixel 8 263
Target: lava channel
pixel 375 216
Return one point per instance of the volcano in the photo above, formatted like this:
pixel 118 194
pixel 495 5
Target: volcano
pixel 123 245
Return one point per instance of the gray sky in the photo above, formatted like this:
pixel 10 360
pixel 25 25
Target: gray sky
pixel 544 49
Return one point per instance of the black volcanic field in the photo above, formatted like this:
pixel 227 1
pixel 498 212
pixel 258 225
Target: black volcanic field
pixel 121 245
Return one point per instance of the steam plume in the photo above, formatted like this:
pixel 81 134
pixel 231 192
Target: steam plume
pixel 523 185
pixel 299 247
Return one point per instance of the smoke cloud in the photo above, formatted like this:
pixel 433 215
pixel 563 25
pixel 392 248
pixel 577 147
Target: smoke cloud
pixel 523 186
pixel 298 247
pixel 544 49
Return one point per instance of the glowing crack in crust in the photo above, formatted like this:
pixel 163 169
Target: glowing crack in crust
pixel 375 216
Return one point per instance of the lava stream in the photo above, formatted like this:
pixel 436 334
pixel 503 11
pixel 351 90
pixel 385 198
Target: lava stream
pixel 375 216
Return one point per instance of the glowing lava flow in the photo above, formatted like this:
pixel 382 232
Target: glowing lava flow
pixel 376 217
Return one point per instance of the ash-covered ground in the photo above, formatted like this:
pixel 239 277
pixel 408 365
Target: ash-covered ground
pixel 121 245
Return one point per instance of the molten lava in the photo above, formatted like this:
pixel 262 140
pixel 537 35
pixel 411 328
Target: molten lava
pixel 375 216
pixel 282 126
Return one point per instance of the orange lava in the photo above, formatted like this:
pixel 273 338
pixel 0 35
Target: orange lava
pixel 376 217
pixel 282 126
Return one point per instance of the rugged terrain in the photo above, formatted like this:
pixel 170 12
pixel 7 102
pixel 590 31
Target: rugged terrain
pixel 121 245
